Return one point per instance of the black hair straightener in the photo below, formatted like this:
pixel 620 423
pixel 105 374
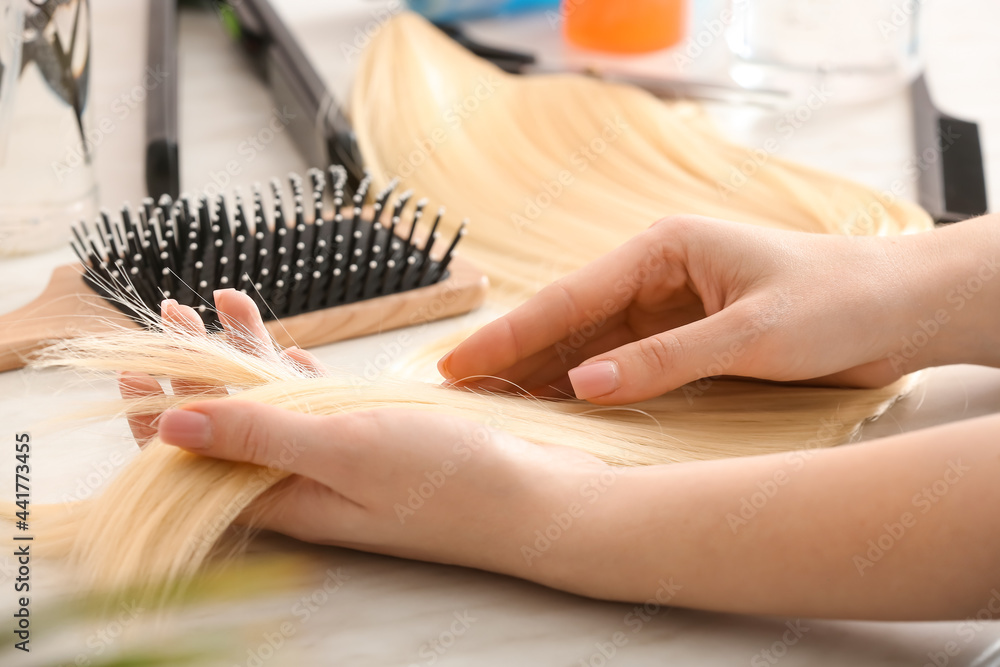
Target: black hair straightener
pixel 319 127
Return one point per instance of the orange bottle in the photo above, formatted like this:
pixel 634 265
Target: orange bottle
pixel 624 26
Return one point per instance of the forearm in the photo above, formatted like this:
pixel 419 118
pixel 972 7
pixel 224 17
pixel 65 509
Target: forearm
pixel 955 317
pixel 900 528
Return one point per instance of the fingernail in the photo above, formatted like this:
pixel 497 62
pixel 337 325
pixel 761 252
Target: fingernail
pixel 443 366
pixel 216 293
pixel 593 380
pixel 165 304
pixel 128 376
pixel 185 428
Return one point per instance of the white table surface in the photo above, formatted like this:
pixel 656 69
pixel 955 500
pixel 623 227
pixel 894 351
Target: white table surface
pixel 389 610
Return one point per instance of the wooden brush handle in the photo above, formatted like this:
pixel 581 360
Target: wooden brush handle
pixel 66 309
pixel 464 290
pixel 69 308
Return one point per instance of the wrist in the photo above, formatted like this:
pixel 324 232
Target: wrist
pixel 588 544
pixel 955 313
pixel 567 528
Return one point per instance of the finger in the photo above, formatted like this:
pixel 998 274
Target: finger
pixel 657 364
pixel 558 368
pixel 565 352
pixel 181 318
pixel 243 324
pixel 593 294
pixel 184 318
pixel 265 435
pixel 139 385
pixel 307 360
pixel 553 363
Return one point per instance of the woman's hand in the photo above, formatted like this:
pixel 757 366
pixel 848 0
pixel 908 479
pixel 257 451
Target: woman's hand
pixel 694 297
pixel 390 481
pixel 404 483
pixel 245 328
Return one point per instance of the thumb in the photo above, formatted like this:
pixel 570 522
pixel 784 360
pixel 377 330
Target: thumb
pixel 655 365
pixel 246 431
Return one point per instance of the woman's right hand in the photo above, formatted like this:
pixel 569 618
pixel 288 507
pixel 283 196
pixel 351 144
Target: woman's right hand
pixel 694 297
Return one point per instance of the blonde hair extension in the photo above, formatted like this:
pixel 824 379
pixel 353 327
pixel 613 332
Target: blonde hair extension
pixel 556 170
pixel 165 513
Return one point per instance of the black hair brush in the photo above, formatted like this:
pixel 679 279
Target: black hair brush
pixel 329 266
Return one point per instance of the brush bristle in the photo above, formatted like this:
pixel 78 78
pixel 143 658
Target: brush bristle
pixel 326 251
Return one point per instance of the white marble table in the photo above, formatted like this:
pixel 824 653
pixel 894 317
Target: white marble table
pixel 392 612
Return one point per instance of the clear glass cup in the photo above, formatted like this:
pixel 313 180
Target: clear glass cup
pixel 47 178
pixel 854 50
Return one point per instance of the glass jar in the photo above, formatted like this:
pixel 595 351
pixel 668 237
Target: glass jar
pixel 855 50
pixel 47 178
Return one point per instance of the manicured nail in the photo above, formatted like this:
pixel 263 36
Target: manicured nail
pixel 443 366
pixel 130 376
pixel 593 380
pixel 185 428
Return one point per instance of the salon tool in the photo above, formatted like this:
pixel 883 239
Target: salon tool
pixel 324 269
pixel 319 128
pixel 162 159
pixel 317 124
pixel 949 160
pixel 523 62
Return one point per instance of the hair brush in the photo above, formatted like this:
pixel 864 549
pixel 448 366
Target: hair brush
pixel 324 268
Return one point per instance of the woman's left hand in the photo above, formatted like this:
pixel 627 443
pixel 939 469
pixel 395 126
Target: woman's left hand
pixel 395 481
pixel 402 482
pixel 243 326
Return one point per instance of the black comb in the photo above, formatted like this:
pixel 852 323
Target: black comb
pixel 325 249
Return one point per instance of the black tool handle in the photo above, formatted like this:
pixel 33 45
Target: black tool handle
pixel 320 124
pixel 162 161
